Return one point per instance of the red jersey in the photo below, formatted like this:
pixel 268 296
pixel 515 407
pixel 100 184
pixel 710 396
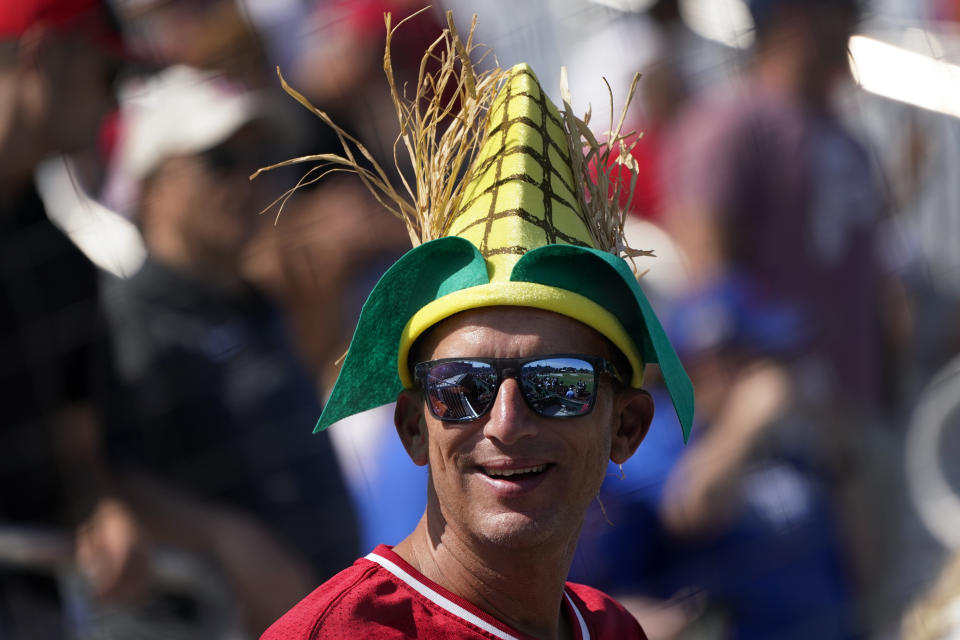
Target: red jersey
pixel 382 596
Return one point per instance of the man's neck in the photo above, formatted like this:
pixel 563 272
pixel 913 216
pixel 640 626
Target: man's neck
pixel 522 588
pixel 221 274
pixel 20 148
pixel 17 165
pixel 781 71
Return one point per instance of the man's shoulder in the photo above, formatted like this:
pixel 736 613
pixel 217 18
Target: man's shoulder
pixel 383 597
pixel 603 616
pixel 380 596
pixel 341 591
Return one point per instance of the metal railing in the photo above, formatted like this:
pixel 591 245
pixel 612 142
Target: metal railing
pixel 938 410
pixel 188 598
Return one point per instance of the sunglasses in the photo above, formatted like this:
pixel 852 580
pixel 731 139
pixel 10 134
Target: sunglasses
pixel 244 151
pixel 227 158
pixel 553 386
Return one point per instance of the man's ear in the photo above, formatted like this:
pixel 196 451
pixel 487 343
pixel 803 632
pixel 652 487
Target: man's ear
pixel 32 58
pixel 411 426
pixel 634 413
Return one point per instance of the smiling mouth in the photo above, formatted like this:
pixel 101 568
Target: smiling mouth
pixel 516 474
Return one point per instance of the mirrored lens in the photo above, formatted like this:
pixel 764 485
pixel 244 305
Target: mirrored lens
pixel 461 390
pixel 559 387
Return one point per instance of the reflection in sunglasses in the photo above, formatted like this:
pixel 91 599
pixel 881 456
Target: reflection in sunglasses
pixel 561 386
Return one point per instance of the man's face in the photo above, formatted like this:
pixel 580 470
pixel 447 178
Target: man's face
pixel 207 199
pixel 465 458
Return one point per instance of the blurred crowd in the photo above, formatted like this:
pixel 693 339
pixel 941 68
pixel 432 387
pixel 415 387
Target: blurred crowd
pixel 169 327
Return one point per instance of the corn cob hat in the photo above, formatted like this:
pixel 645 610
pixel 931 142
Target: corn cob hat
pixel 525 226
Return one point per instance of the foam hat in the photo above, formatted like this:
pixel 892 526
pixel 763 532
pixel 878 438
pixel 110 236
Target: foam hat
pixel 525 226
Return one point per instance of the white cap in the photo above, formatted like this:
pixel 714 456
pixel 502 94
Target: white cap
pixel 179 111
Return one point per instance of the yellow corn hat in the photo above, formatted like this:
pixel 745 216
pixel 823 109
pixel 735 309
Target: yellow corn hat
pixel 522 228
pixel 520 195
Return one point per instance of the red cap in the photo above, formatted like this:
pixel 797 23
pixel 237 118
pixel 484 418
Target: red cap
pixel 91 19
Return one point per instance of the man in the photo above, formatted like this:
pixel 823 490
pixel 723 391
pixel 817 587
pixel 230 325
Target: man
pixel 468 331
pixel 58 60
pixel 211 388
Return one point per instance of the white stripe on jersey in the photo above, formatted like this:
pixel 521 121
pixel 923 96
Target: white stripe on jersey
pixel 453 607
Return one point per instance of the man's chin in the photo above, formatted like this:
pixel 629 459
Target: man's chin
pixel 515 530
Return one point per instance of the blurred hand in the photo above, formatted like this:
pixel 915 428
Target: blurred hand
pixel 757 397
pixel 267 577
pixel 112 553
pixel 666 619
pixel 703 489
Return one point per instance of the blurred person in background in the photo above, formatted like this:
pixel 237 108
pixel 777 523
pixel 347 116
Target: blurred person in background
pixel 734 535
pixel 675 64
pixel 331 53
pixel 215 35
pixel 339 67
pixel 58 63
pixel 763 180
pixel 210 415
pixel 319 259
pixel 322 259
pixel 663 91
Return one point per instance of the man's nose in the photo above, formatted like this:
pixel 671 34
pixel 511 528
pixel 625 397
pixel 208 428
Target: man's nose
pixel 510 417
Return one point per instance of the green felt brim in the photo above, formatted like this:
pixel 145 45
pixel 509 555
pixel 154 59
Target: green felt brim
pixel 369 377
pixel 608 281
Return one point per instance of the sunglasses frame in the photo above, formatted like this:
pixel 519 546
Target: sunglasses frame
pixel 510 368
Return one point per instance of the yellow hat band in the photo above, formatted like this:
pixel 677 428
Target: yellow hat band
pixel 518 294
